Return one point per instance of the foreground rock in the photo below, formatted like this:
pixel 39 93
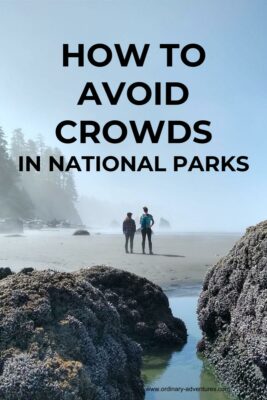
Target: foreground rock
pixel 4 272
pixel 142 306
pixel 232 314
pixel 61 340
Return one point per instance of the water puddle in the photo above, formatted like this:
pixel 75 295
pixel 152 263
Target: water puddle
pixel 181 375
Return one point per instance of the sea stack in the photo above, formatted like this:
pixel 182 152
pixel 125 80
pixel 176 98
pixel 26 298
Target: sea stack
pixel 232 312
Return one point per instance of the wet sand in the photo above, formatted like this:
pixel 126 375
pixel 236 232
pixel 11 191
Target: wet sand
pixel 180 260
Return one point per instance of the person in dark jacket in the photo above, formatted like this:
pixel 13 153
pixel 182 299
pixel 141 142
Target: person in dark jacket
pixel 129 229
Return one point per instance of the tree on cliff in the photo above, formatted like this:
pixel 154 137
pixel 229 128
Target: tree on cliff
pixel 53 193
pixel 70 188
pixel 14 201
pixel 18 145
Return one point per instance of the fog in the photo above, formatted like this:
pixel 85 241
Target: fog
pixel 107 216
pixel 102 200
pixel 41 92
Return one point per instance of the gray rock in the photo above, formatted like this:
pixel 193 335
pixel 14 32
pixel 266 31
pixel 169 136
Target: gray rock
pixel 81 232
pixel 232 312
pixel 4 272
pixel 27 270
pixel 61 340
pixel 143 307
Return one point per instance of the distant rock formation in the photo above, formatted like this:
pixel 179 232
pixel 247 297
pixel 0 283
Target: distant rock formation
pixel 11 225
pixel 50 201
pixel 164 224
pixel 81 232
pixel 142 306
pixel 232 313
pixel 61 339
pixel 115 224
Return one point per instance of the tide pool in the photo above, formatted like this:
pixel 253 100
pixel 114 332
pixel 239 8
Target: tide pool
pixel 178 375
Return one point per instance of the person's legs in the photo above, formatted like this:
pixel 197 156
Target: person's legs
pixel 131 242
pixel 149 235
pixel 143 239
pixel 126 242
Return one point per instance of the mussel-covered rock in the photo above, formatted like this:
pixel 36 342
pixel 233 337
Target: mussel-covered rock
pixel 143 307
pixel 60 339
pixel 232 314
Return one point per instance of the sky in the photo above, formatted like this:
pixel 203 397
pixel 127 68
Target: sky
pixel 228 89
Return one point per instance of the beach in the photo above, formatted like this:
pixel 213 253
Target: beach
pixel 180 260
pixel 178 265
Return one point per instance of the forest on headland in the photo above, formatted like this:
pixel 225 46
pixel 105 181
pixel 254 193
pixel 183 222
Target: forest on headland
pixel 47 196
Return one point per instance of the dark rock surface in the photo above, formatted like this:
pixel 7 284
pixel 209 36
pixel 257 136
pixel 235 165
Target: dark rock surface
pixel 61 340
pixel 81 232
pixel 26 270
pixel 142 306
pixel 4 272
pixel 232 313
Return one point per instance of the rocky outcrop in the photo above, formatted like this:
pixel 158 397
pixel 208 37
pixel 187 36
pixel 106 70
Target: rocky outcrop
pixel 232 313
pixel 81 232
pixel 142 306
pixel 61 340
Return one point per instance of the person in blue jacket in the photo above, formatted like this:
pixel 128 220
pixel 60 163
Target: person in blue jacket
pixel 129 229
pixel 146 222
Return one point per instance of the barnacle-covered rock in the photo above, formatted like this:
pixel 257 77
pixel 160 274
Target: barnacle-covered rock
pixel 61 340
pixel 232 314
pixel 143 307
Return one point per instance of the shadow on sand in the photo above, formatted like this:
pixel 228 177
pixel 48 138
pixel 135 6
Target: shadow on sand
pixel 159 255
